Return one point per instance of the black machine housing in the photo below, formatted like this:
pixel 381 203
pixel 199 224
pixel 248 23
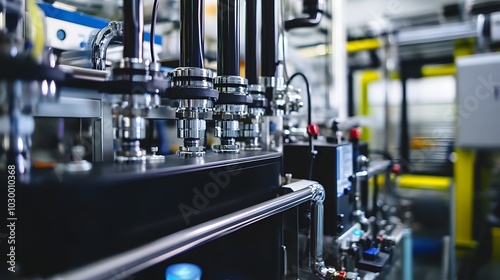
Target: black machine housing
pixel 67 220
pixel 333 169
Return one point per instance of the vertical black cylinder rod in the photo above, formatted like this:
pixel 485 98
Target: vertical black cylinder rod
pixel 251 47
pixel 269 39
pixel 133 24
pixel 228 38
pixel 192 33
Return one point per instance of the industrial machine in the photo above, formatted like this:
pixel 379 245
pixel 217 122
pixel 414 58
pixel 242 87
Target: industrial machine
pixel 246 207
pixel 357 243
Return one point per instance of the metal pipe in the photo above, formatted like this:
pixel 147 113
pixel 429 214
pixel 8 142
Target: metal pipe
pixel 375 168
pixel 445 258
pixel 269 38
pixel 452 275
pixel 339 58
pixel 375 197
pixel 228 38
pixel 378 167
pixel 192 33
pixel 316 246
pixel 385 78
pixel 404 136
pixel 310 21
pixel 100 43
pixel 362 189
pixel 133 24
pixel 434 34
pixel 251 43
pixel 2 15
pixel 317 217
pixel 407 255
pixel 150 254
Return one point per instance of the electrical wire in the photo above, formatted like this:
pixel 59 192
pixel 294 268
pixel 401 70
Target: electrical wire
pixel 152 33
pixel 282 32
pixel 385 154
pixel 313 152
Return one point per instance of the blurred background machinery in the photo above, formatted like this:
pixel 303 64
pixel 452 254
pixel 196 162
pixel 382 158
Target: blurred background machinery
pixel 347 139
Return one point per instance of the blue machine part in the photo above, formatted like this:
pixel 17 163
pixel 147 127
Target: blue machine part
pixel 71 30
pixel 183 271
pixel 371 254
pixel 344 168
pixel 357 232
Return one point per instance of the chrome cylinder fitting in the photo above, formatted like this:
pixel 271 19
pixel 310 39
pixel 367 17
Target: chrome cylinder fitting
pixel 132 107
pixel 191 90
pixel 17 124
pixel 251 124
pixel 230 109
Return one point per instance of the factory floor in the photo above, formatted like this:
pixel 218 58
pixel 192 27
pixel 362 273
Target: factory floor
pixel 430 269
pixel 429 219
pixel 430 223
pixel 426 268
pixel 490 271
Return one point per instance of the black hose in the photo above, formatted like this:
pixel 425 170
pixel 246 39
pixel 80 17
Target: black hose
pixel 153 27
pixel 251 45
pixel 192 33
pixel 228 38
pixel 313 152
pixel 133 24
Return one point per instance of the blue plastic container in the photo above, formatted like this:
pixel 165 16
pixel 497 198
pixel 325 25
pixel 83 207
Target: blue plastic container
pixel 183 271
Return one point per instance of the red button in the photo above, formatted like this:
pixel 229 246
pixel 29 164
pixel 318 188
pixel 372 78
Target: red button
pixel 396 169
pixel 341 275
pixel 355 133
pixel 313 129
